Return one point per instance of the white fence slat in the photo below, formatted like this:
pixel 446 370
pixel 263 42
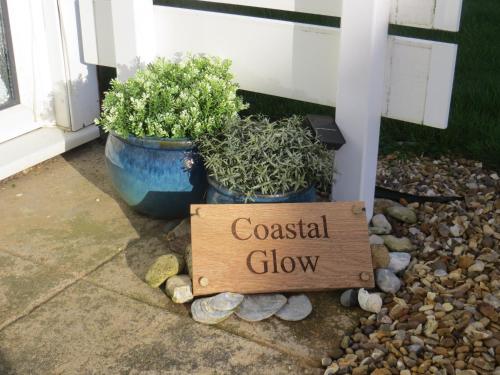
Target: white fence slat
pixel 88 28
pixel 419 81
pixel 359 98
pixel 440 84
pixel 428 14
pixel 134 36
pixel 448 14
pixel 105 36
pixel 406 79
pixel 418 13
pixel 97 32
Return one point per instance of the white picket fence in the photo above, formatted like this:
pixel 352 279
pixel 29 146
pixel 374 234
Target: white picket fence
pixel 358 68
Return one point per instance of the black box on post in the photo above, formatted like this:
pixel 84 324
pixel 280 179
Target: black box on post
pixel 326 130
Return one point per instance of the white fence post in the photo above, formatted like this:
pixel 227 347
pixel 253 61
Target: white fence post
pixel 134 36
pixel 360 93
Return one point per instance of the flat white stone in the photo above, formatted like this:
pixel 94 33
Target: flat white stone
pixel 258 307
pixel 202 312
pixel 298 307
pixel 226 301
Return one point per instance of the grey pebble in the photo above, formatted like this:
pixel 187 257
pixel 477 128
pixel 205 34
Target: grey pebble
pixel 397 244
pixel 380 221
pixel 404 214
pixel 376 240
pixel 398 261
pixel 349 298
pixel 387 281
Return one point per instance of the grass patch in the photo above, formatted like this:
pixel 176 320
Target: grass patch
pixel 474 126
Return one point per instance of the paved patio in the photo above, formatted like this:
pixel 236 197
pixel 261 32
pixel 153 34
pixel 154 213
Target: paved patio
pixel 73 300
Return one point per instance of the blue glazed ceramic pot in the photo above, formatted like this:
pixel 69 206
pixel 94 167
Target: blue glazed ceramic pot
pixel 219 194
pixel 158 177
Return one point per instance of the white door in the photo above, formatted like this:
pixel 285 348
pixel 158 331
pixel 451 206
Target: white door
pixel 44 82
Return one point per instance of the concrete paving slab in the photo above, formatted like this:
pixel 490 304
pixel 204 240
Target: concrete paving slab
pixel 25 285
pixel 88 330
pixel 311 339
pixel 65 217
pixel 65 213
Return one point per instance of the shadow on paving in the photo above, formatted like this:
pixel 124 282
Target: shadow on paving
pixel 309 340
pixel 5 368
pixel 89 161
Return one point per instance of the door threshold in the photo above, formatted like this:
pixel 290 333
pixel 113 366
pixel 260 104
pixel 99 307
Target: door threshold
pixel 39 145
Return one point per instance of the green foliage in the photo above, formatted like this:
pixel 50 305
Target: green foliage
pixel 175 100
pixel 257 156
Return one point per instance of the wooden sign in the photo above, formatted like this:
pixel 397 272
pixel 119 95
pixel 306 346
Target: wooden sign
pixel 259 248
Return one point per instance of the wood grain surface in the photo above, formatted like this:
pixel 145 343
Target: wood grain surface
pixel 259 248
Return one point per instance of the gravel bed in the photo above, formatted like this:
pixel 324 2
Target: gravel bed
pixel 444 317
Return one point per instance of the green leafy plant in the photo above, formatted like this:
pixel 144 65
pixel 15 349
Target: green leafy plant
pixel 174 100
pixel 256 156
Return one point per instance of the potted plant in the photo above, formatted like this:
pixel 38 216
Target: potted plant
pixel 154 120
pixel 256 160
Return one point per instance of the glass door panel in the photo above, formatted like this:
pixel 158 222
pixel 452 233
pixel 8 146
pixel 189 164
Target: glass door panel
pixel 8 85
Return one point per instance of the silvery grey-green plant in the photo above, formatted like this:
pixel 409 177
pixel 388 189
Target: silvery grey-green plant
pixel 173 99
pixel 257 156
